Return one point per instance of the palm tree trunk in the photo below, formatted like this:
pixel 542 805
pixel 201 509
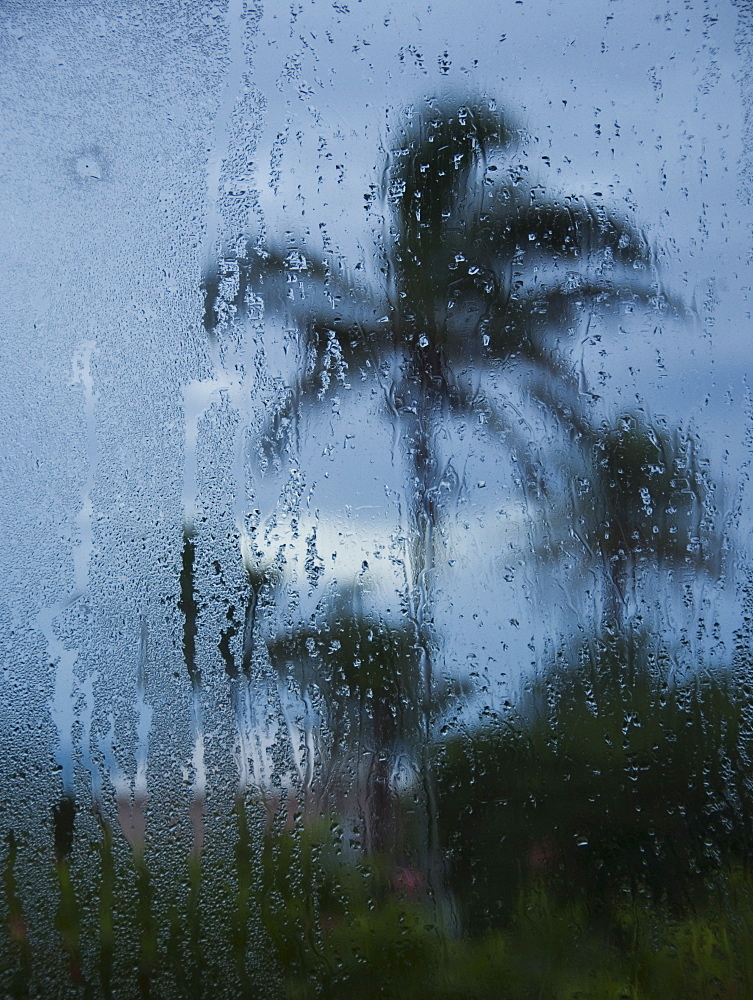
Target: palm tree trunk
pixel 427 378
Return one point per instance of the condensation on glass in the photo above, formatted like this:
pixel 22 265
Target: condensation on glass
pixel 376 601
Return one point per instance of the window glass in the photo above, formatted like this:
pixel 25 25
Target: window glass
pixel 376 594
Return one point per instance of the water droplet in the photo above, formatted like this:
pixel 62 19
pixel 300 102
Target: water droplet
pixel 89 166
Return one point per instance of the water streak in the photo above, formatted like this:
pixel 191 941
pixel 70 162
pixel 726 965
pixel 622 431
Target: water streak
pixel 63 701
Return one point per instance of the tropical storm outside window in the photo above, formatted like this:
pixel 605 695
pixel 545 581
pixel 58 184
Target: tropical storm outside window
pixel 376 600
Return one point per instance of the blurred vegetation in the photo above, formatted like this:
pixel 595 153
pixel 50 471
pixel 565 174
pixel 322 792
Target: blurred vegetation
pixel 296 915
pixel 610 780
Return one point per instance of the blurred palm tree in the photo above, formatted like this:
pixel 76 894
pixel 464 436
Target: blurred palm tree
pixel 479 268
pixel 640 500
pixel 366 672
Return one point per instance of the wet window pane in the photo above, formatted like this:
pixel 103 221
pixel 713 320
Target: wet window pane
pixel 376 588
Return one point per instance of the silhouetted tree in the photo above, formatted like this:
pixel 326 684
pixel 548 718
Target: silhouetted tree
pixel 480 268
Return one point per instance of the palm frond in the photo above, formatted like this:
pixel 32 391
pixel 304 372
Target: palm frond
pixel 315 293
pixel 520 220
